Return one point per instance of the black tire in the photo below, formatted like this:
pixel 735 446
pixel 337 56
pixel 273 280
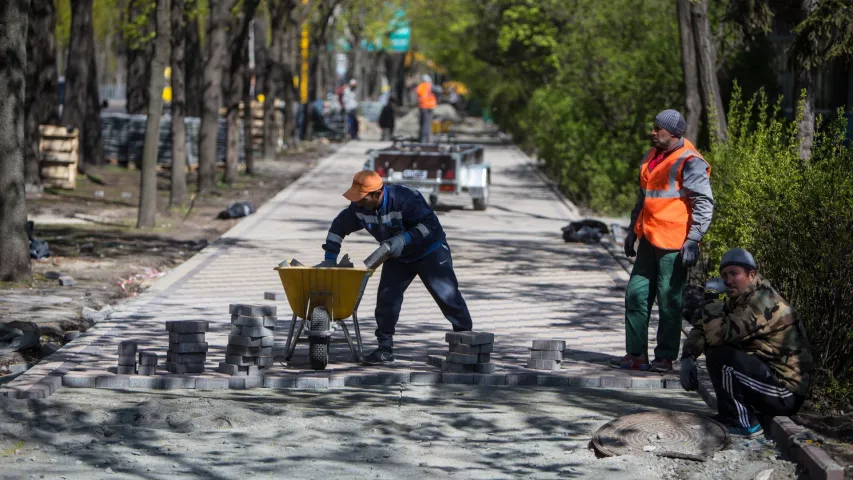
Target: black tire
pixel 480 204
pixel 318 347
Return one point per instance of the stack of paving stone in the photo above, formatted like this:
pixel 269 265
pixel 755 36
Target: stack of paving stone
pixel 250 344
pixel 126 358
pixel 546 354
pixel 147 363
pixel 469 352
pixel 187 348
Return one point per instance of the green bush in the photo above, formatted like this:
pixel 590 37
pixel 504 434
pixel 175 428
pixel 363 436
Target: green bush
pixel 796 217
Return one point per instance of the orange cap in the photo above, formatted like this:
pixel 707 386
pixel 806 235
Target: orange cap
pixel 363 182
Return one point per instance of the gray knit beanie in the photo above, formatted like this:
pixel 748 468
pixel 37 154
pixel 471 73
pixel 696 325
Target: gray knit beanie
pixel 672 121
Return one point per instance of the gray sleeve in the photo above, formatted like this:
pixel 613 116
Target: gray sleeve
pixel 635 213
pixel 697 182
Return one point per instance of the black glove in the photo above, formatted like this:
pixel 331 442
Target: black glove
pixel 630 239
pixel 689 253
pixel 689 374
pixel 396 245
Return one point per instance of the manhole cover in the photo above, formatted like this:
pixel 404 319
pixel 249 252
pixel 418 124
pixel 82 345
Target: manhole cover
pixel 675 434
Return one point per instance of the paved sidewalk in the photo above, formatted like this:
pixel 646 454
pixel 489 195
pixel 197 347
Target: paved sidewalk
pixel 521 281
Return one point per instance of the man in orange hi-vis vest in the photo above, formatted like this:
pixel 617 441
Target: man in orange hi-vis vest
pixel 672 214
pixel 426 103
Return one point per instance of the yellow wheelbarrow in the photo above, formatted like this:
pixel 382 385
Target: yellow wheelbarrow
pixel 323 298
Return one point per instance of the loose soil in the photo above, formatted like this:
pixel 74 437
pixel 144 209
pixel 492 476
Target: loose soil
pixel 836 428
pixel 92 236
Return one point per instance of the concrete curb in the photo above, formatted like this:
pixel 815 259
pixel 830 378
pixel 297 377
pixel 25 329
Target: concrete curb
pixel 790 438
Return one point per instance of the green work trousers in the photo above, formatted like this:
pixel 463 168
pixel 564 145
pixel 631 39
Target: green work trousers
pixel 656 274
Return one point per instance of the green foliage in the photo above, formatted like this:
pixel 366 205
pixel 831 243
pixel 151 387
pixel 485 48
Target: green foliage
pixel 796 217
pixel 138 29
pixel 826 34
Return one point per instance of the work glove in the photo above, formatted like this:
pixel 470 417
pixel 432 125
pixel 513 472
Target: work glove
pixel 689 374
pixel 396 245
pixel 630 240
pixel 327 264
pixel 689 253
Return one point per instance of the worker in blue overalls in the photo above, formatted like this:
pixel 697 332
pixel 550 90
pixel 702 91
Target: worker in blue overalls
pixel 400 219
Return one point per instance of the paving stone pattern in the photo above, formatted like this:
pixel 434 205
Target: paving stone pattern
pixel 520 280
pixel 252 326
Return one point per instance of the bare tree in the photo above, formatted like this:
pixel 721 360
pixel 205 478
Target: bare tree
pixel 260 54
pixel 178 193
pixel 193 60
pixel 81 99
pixel 805 81
pixel 217 45
pixel 42 81
pixel 707 52
pixel 692 99
pixel 278 71
pixel 148 188
pixel 14 246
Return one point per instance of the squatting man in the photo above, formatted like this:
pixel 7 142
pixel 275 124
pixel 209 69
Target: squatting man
pixel 404 224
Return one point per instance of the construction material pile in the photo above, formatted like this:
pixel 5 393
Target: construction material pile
pixel 187 346
pixel 546 354
pixel 250 344
pixel 409 123
pixel 468 352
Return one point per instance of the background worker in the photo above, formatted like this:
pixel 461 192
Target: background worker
pixel 401 220
pixel 350 105
pixel 757 351
pixel 427 102
pixel 386 120
pixel 672 214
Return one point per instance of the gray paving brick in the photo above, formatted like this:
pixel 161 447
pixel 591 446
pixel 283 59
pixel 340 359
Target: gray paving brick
pixel 489 379
pixel 66 281
pixel 146 370
pixel 143 381
pixel 239 360
pixel 484 358
pixel 188 347
pixel 71 335
pixel 127 360
pixel 425 378
pixel 552 381
pixel 546 355
pixel 212 383
pixel 465 349
pixel 264 361
pixel 357 379
pixel 244 321
pixel 553 345
pixel 36 392
pixel 230 369
pixel 457 378
pixel 147 358
pixel 476 338
pixel 243 341
pixel 275 296
pixel 126 369
pixel 186 357
pixel 486 347
pixel 182 368
pixel 281 381
pixel 268 341
pixel 484 368
pixel 175 382
pixel 675 382
pixel 386 378
pixel 127 347
pixel 612 381
pixel 79 380
pixel 248 351
pixel 305 381
pixel 521 379
pixel 453 337
pixel 586 381
pixel 435 360
pixel 245 382
pixel 462 358
pixel 112 381
pixel 252 331
pixel 647 382
pixel 454 367
pixel 187 326
pixel 186 337
pixel 543 364
pixel 337 380
pixel 252 310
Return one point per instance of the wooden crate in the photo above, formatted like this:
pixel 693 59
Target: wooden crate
pixel 60 152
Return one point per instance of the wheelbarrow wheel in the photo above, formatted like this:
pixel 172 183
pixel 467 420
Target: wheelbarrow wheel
pixel 318 347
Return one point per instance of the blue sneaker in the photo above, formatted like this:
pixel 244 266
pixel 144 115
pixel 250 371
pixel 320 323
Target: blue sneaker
pixel 751 432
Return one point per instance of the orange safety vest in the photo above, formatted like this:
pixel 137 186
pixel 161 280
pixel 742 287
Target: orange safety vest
pixel 665 217
pixel 426 99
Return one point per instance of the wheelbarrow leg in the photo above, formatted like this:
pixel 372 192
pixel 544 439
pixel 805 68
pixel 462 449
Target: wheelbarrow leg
pixel 290 335
pixel 295 340
pixel 357 333
pixel 355 355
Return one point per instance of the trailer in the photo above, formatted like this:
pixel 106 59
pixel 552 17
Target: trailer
pixel 435 169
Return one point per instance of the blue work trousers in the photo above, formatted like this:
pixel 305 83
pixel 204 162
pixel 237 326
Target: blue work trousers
pixel 436 271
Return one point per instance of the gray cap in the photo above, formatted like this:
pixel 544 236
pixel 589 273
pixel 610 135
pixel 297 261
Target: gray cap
pixel 672 121
pixel 739 257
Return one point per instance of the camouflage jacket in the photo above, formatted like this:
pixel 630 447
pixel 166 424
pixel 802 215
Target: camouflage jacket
pixel 761 323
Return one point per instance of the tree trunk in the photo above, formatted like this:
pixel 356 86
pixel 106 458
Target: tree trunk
pixel 258 33
pixel 708 70
pixel 139 56
pixel 178 193
pixel 81 109
pixel 194 63
pixel 14 245
pixel 692 99
pixel 805 79
pixel 42 82
pixel 148 186
pixel 217 46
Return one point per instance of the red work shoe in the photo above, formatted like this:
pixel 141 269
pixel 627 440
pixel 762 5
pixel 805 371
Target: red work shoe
pixel 661 365
pixel 631 362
